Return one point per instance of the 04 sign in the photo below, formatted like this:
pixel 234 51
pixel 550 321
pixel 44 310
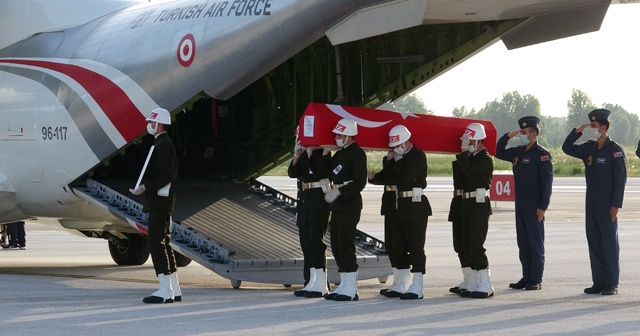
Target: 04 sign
pixel 503 188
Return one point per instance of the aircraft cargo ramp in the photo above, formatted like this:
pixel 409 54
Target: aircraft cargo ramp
pixel 243 232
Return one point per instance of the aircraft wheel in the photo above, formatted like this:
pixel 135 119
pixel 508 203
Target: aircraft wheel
pixel 181 260
pixel 132 251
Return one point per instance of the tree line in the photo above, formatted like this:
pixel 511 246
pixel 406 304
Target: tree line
pixel 505 112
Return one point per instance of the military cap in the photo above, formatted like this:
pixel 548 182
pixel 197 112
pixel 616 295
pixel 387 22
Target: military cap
pixel 599 114
pixel 528 121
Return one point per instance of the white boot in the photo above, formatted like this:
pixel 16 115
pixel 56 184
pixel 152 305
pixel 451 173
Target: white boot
pixel 319 288
pixel 466 283
pixel 164 294
pixel 350 291
pixel 484 288
pixel 395 282
pixel 339 289
pixel 175 285
pixel 404 278
pixel 472 283
pixel 312 280
pixel 415 290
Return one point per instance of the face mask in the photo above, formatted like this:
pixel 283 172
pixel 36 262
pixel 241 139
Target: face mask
pixel 340 142
pixel 471 148
pixel 152 130
pixel 595 133
pixel 399 150
pixel 523 139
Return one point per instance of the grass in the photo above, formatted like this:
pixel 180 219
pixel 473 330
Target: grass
pixel 440 164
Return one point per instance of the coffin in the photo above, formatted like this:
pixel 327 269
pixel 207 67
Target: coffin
pixel 430 133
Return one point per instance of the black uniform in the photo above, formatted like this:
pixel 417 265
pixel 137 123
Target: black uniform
pixel 410 172
pixel 606 175
pixel 309 170
pixel 533 177
pixel 455 218
pixel 478 172
pixel 388 210
pixel 302 232
pixel 349 174
pixel 162 170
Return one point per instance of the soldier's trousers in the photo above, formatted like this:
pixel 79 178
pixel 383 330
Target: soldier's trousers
pixel 474 228
pixel 343 233
pixel 530 237
pixel 159 236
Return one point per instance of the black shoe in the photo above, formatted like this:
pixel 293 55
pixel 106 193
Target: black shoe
pixel 609 290
pixel 156 299
pixel 464 293
pixel 300 293
pixel 518 285
pixel 330 296
pixel 410 296
pixel 312 294
pixel 595 289
pixel 341 297
pixel 384 290
pixel 480 295
pixel 392 294
pixel 454 290
pixel 533 286
pixel 177 298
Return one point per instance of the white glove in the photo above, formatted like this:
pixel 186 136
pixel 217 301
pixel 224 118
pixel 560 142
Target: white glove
pixel 297 150
pixel 397 156
pixel 139 190
pixel 331 195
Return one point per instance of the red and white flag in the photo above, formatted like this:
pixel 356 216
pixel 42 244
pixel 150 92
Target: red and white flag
pixel 430 133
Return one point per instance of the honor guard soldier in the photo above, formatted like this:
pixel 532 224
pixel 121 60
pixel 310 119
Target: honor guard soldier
pixel 388 210
pixel 160 201
pixel 533 176
pixel 349 176
pixel 477 168
pixel 606 175
pixel 311 167
pixel 459 242
pixel 409 169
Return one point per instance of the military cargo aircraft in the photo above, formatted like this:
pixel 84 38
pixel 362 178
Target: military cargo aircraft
pixel 77 79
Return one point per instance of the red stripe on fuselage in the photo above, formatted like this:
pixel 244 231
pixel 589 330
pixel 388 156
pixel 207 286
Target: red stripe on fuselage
pixel 115 103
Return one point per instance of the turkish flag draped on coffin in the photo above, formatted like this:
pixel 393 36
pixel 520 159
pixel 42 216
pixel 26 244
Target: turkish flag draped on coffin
pixel 430 133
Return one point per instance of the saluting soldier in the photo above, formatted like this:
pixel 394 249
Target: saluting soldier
pixel 476 165
pixel 606 175
pixel 388 210
pixel 409 169
pixel 533 176
pixel 349 176
pixel 311 167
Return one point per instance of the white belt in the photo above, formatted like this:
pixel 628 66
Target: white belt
pixel 470 194
pixel 311 185
pixel 337 186
pixel 390 188
pixel 458 192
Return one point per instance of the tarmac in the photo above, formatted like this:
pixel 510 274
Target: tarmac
pixel 63 284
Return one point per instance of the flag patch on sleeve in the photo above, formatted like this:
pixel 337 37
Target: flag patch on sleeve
pixel 544 158
pixel 617 154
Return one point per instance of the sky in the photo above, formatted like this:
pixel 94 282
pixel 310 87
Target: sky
pixel 604 64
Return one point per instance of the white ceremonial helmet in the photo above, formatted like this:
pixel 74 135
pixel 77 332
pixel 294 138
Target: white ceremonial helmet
pixel 398 134
pixel 475 131
pixel 346 127
pixel 160 116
